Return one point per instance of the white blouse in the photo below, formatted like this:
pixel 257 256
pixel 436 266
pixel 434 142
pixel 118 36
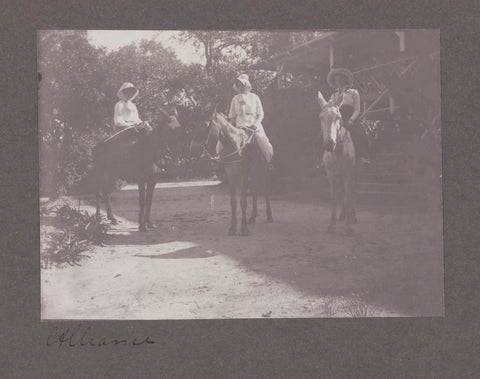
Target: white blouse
pixel 352 98
pixel 246 109
pixel 126 114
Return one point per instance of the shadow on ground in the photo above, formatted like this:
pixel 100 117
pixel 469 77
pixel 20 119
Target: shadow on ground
pixel 394 260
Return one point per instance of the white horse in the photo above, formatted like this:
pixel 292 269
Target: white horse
pixel 339 162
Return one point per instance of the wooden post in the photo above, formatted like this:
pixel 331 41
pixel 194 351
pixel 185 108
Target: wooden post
pixel 391 103
pixel 330 51
pixel 280 68
pixel 380 97
pixel 401 36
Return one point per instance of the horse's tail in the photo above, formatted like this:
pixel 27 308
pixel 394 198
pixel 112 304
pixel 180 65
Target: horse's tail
pixel 260 175
pixel 96 151
pixel 87 184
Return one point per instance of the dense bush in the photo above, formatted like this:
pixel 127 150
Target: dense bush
pixel 78 84
pixel 74 233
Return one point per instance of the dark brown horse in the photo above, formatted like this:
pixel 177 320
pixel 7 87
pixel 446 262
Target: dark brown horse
pixel 243 163
pixel 134 155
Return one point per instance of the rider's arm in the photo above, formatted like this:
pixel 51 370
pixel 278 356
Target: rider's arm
pixel 259 115
pixel 356 105
pixel 118 119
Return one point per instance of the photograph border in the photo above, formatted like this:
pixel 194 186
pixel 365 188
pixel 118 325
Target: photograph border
pixel 437 347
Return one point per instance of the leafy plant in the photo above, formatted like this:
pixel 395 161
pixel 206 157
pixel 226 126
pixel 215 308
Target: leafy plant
pixel 356 306
pixel 63 247
pixel 370 127
pixel 76 232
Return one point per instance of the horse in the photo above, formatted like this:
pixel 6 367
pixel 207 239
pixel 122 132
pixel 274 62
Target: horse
pixel 339 163
pixel 138 158
pixel 243 162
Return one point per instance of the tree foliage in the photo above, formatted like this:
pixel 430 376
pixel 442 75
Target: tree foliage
pixel 79 84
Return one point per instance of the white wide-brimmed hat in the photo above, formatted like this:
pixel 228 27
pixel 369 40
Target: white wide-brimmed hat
pixel 339 71
pixel 244 80
pixel 124 86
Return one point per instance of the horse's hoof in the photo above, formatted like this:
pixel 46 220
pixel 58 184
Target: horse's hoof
pixel 113 221
pixel 349 231
pixel 270 219
pixel 331 229
pixel 151 225
pixel 142 228
pixel 232 232
pixel 245 232
pixel 251 220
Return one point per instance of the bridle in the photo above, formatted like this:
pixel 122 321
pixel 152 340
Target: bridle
pixel 206 155
pixel 339 138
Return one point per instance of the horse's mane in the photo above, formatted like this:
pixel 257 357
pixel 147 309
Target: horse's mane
pixel 224 118
pixel 236 136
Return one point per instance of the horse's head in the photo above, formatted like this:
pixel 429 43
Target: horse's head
pixel 205 136
pixel 169 118
pixel 331 121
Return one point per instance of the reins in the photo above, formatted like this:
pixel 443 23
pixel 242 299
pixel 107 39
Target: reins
pixel 206 155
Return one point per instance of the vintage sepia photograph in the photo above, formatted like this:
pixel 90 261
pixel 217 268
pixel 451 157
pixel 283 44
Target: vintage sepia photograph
pixel 240 174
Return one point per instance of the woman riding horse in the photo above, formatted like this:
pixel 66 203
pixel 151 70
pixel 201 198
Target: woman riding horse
pixel 126 113
pixel 339 161
pixel 135 153
pixel 341 80
pixel 246 111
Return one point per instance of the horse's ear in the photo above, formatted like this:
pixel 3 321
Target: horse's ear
pixel 321 100
pixel 215 113
pixel 339 101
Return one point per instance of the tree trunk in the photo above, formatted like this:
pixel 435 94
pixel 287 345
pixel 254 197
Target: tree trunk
pixel 208 56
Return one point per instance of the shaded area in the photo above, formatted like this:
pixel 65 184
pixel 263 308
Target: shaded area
pixel 187 253
pixel 394 260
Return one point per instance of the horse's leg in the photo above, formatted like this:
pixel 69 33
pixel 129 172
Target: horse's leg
pixel 354 213
pixel 97 199
pixel 141 200
pixel 343 213
pixel 233 203
pixel 353 184
pixel 267 198
pixel 253 216
pixel 269 210
pixel 148 206
pixel 333 199
pixel 348 204
pixel 243 205
pixel 108 208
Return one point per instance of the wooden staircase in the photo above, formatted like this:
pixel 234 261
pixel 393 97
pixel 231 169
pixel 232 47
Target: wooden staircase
pixel 387 175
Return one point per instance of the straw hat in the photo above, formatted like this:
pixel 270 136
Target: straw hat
pixel 243 79
pixel 339 71
pixel 126 85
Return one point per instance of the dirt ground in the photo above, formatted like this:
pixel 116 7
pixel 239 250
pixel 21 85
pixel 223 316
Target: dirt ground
pixel 188 268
